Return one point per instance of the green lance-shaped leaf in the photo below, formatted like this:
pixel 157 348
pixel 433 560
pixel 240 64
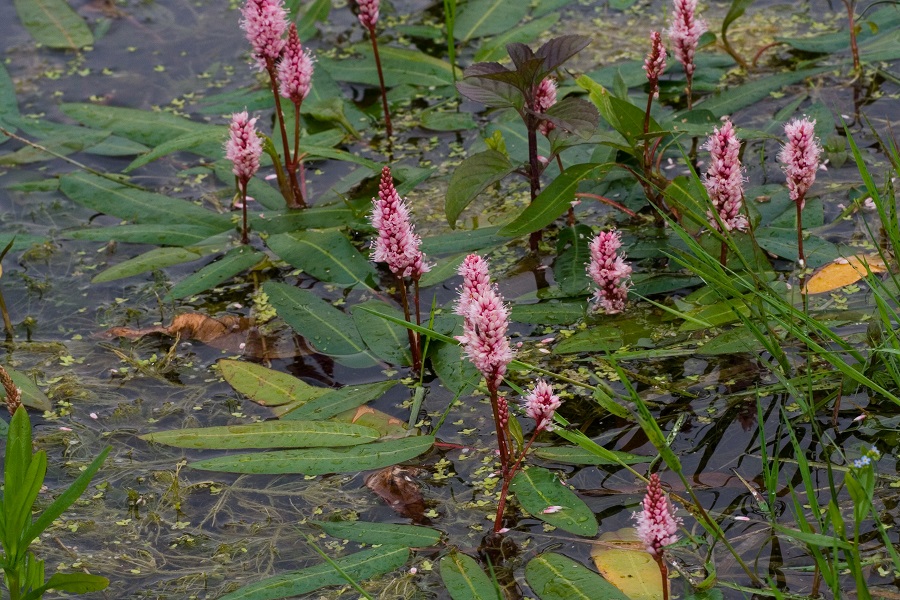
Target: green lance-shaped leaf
pixel 541 493
pixel 574 455
pixel 134 204
pixel 319 461
pixel 267 434
pixel 556 577
pixel 158 258
pixel 400 66
pixel 411 536
pixel 472 177
pixel 142 126
pixel 388 341
pixel 551 202
pixel 202 139
pixel 480 18
pixel 236 261
pixel 74 583
pixel 160 235
pixel 465 579
pixel 9 104
pixel 572 256
pixel 326 255
pixel 359 566
pixel 328 329
pixel 316 12
pixel 742 96
pixel 54 24
pixel 267 386
pixel 334 402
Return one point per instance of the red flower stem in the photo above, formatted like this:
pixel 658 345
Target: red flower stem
pixel 245 239
pixel 690 96
pixel 802 258
pixel 384 104
pixel 296 200
pixel 664 573
pixel 418 314
pixel 413 338
pixel 296 159
pixel 507 480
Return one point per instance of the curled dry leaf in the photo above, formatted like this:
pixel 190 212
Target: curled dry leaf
pixel 229 333
pixel 396 486
pixel 843 271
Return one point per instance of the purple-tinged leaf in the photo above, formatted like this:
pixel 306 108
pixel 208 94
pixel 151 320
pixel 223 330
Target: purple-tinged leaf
pixel 559 50
pixel 574 115
pixel 491 93
pixel 519 53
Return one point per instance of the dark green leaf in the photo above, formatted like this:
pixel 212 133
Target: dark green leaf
pixel 457 373
pixel 134 204
pixel 735 11
pixel 158 258
pixel 442 270
pixel 400 65
pixel 465 579
pixel 540 492
pixel 599 338
pixel 553 201
pixel 319 461
pixel 572 257
pixel 575 115
pixel 32 396
pixel 62 143
pixel 742 96
pixel 557 577
pixel 266 434
pixel 480 18
pixel 548 313
pixel 388 341
pixel 472 177
pixel 411 536
pixel 326 255
pixel 359 566
pixel 463 241
pixel 207 137
pixel 142 126
pixel 236 261
pixel 76 583
pixel 328 329
pixel 158 235
pixel 447 121
pixel 337 401
pixel 495 48
pixel 9 105
pixel 575 455
pixel 266 386
pixel 316 12
pixel 54 24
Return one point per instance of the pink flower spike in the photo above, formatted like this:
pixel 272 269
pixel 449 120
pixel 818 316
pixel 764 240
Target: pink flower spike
pixel 368 12
pixel 264 24
pixel 657 525
pixel 541 403
pixel 609 271
pixel 243 147
pixel 724 180
pixel 799 157
pixel 655 63
pixel 397 244
pixel 485 321
pixel 295 70
pixel 685 33
pixel 544 98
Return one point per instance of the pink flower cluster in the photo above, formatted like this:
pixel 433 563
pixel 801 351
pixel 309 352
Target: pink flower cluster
pixel 544 98
pixel 243 147
pixel 799 157
pixel 609 271
pixel 540 404
pixel 368 12
pixel 296 69
pixel 485 321
pixel 264 22
pixel 685 33
pixel 657 525
pixel 655 63
pixel 397 244
pixel 724 180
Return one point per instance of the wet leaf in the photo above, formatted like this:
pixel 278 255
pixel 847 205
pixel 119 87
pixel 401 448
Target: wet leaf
pixel 473 176
pixel 621 559
pixel 266 434
pixel 742 96
pixel 548 313
pixel 400 65
pixel 480 18
pixel 551 202
pixel 574 455
pixel 267 386
pixel 541 493
pixel 572 257
pixel 319 461
pixel 335 402
pixel 160 235
pixel 439 120
pixel 210 137
pixel 575 115
pixel 9 104
pixel 63 143
pixel 158 258
pixel 396 486
pixel 134 204
pixel 465 579
pixel 388 341
pixel 54 24
pixel 32 396
pixel 442 270
pixel 359 566
pixel 843 271
pixel 457 374
pixel 557 577
pixel 384 423
pixel 326 255
pixel 731 342
pixel 463 241
pixel 76 583
pixel 599 338
pixel 316 12
pixel 495 48
pixel 236 261
pixel 411 536
pixel 325 327
pixel 142 126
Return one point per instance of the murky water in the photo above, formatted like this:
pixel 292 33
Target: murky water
pixel 160 530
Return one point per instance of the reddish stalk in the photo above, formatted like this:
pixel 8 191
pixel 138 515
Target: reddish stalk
pixel 384 104
pixel 534 173
pixel 507 479
pixel 413 337
pixel 606 200
pixel 296 200
pixel 802 258
pixel 854 47
pixel 242 184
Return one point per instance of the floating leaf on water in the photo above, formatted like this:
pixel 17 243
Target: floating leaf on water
pixel 843 271
pixel 575 455
pixel 396 486
pixel 386 425
pixel 54 24
pixel 329 403
pixel 622 559
pixel 542 494
pixel 557 577
pixel 411 536
pixel 267 434
pixel 465 579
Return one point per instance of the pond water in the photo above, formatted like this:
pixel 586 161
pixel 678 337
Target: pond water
pixel 159 529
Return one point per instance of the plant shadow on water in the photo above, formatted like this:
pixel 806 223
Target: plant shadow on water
pixel 770 415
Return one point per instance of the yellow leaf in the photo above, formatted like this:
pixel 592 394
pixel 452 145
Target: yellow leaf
pixel 843 271
pixel 622 560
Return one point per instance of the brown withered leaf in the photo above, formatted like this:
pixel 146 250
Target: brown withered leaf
pixel 230 333
pixel 396 486
pixel 843 271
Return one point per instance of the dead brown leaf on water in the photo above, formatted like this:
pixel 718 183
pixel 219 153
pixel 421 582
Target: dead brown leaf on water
pixel 843 271
pixel 396 486
pixel 230 333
